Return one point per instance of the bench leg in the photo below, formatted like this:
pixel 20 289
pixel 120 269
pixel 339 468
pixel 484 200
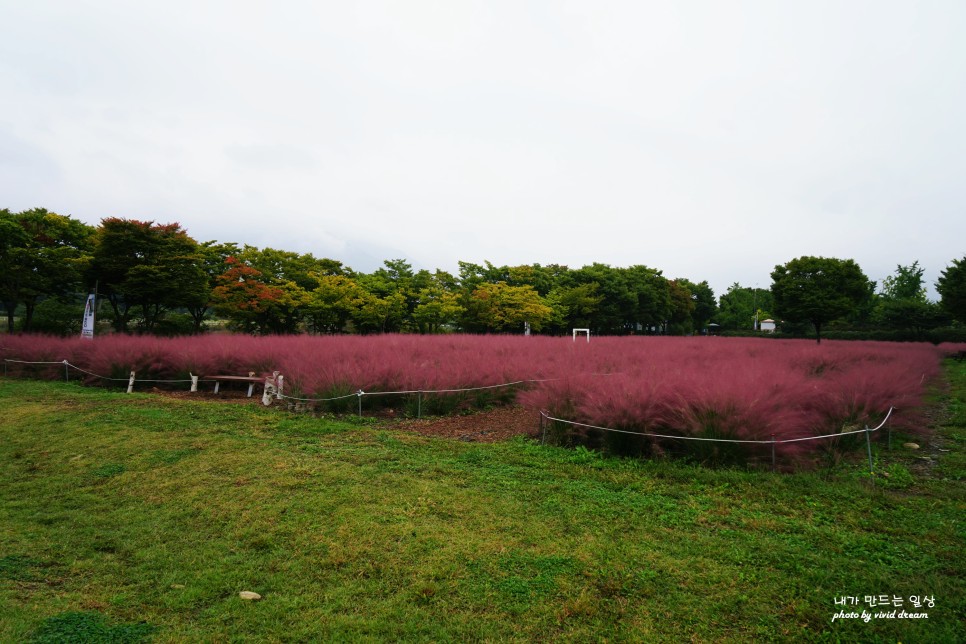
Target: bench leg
pixel 251 386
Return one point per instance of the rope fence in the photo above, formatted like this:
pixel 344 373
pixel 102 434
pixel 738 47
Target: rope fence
pixel 131 379
pixel 546 419
pixel 273 389
pixel 274 383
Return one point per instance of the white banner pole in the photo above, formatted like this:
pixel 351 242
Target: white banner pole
pixel 87 328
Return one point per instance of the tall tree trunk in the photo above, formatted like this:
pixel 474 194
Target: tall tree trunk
pixel 11 310
pixel 28 315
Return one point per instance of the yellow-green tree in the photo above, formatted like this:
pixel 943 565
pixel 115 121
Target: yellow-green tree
pixel 334 302
pixel 500 307
pixel 436 309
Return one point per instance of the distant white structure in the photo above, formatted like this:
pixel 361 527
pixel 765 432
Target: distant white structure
pixel 584 331
pixel 767 326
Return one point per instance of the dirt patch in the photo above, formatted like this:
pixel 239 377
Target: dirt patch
pixel 226 395
pixel 483 427
pixel 490 426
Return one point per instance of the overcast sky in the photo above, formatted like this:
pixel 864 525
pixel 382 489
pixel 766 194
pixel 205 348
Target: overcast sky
pixel 711 140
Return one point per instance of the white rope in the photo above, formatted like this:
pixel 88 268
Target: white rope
pixel 96 375
pixel 720 440
pixel 361 393
pixel 410 392
pixel 90 373
pixel 625 431
pixel 855 431
pixel 286 397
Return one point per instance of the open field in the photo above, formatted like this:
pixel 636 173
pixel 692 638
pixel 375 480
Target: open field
pixel 143 517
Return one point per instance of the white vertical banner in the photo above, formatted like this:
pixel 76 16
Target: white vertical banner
pixel 87 329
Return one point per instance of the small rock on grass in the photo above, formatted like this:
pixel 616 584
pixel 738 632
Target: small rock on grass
pixel 911 445
pixel 249 595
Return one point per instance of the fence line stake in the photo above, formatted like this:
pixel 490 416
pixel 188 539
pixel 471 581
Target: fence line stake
pixel 543 429
pixel 130 383
pixel 66 372
pixel 267 390
pixel 359 394
pixel 868 446
pixel 419 404
pixel 772 452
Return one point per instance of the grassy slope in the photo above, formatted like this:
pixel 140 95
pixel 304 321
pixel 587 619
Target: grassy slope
pixel 125 509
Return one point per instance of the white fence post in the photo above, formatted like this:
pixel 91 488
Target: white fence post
pixel 130 383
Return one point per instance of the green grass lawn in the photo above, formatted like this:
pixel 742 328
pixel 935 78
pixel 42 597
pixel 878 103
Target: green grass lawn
pixel 137 517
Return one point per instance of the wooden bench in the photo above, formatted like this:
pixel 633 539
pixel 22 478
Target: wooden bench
pixel 273 384
pixel 251 379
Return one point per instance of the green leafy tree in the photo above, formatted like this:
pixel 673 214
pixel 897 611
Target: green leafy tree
pixel 287 298
pixel 334 302
pixel 915 316
pixel 438 304
pixel 952 289
pixel 819 289
pixel 158 287
pixel 213 256
pixel 500 307
pixel 705 303
pixel 541 278
pixel 650 297
pixel 906 284
pixel 279 266
pixel 573 306
pixel 741 306
pixel 380 314
pixel 618 304
pixel 394 297
pixel 147 268
pixel 42 255
pixel 903 304
pixel 680 320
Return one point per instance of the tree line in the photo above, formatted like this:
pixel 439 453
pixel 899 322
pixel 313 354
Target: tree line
pixel 155 278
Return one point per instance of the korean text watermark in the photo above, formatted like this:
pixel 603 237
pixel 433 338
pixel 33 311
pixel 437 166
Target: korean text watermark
pixel 861 607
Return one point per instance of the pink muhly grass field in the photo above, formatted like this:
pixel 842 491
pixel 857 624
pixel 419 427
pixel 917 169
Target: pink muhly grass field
pixel 737 388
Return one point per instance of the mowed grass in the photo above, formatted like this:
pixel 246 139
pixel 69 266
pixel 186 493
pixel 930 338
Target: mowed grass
pixel 138 517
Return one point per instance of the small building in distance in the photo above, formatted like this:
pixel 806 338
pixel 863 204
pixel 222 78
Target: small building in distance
pixel 767 326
